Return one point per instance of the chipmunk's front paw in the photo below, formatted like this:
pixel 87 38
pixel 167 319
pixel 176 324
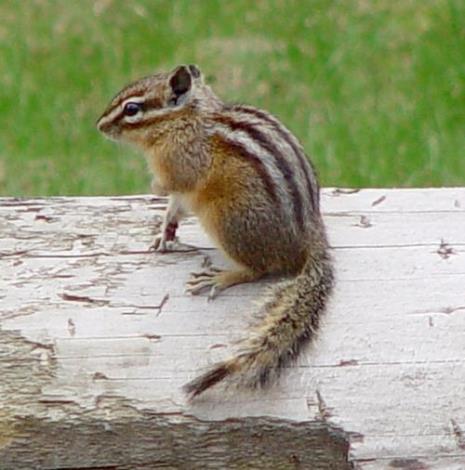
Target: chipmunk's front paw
pixel 161 244
pixel 167 239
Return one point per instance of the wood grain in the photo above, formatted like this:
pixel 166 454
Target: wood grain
pixel 97 336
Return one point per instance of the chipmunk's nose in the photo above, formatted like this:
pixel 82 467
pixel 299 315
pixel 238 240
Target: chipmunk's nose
pixel 99 124
pixel 106 128
pixel 103 125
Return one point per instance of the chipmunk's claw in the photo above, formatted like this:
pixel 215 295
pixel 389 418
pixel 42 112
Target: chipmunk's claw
pixel 214 292
pixel 217 280
pixel 161 245
pixel 201 281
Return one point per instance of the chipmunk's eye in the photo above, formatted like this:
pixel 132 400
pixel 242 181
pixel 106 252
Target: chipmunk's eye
pixel 131 108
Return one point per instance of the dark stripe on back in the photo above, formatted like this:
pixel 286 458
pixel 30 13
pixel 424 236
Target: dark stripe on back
pixel 239 149
pixel 265 143
pixel 303 160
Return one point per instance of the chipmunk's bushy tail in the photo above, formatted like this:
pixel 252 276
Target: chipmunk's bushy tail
pixel 290 321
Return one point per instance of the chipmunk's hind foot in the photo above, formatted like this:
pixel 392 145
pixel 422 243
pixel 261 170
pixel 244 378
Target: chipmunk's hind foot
pixel 217 280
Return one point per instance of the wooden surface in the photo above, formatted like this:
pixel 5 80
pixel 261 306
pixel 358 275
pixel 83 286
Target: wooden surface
pixel 97 336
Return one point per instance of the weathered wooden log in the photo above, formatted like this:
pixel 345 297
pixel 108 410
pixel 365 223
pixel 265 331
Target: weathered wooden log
pixel 97 336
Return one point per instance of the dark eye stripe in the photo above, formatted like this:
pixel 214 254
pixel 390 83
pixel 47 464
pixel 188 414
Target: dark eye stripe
pixel 121 99
pixel 152 103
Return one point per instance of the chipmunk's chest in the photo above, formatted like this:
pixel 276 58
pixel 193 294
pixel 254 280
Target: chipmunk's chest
pixel 158 163
pixel 167 168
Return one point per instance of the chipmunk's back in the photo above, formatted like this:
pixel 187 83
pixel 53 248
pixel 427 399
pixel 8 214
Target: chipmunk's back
pixel 270 143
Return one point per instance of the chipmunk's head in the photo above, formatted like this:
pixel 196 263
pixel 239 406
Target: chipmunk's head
pixel 150 104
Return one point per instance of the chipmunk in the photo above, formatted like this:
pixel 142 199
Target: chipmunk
pixel 247 179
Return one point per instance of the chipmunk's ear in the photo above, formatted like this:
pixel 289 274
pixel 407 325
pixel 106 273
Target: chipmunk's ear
pixel 180 81
pixel 195 71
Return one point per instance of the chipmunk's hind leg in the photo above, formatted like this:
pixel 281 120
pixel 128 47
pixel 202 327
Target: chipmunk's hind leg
pixel 218 280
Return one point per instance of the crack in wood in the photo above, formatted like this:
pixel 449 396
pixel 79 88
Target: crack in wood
pixel 45 218
pixel 56 401
pixel 38 345
pixel 323 409
pixel 84 298
pixel 92 467
pixel 30 254
pixel 378 201
pixel 187 249
pixel 443 310
pixel 13 253
pixel 99 376
pixel 217 345
pixel 449 310
pixel 18 202
pixel 408 464
pixel 445 250
pixel 384 246
pixel 71 327
pixel 31 209
pixel 162 303
pixel 152 336
pixel 458 434
pixel 158 307
pixel 343 191
pixel 348 362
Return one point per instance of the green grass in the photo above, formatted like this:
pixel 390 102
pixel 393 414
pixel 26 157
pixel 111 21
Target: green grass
pixel 375 89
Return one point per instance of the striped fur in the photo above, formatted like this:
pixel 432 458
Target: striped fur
pixel 245 152
pixel 267 149
pixel 283 134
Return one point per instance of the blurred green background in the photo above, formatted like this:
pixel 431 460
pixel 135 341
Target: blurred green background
pixel 375 89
